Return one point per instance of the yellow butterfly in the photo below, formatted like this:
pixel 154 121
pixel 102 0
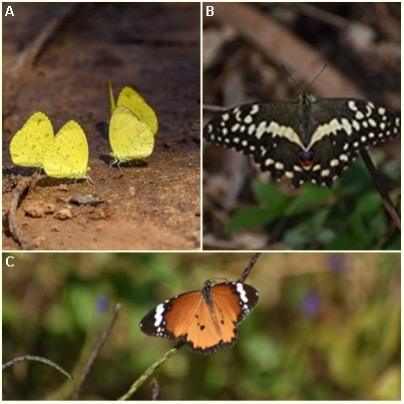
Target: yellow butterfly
pixel 129 138
pixel 67 155
pixel 132 100
pixel 28 145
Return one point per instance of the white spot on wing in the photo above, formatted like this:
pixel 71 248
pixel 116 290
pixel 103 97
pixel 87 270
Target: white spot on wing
pixel 241 292
pixel 158 315
pixel 261 130
pixel 284 131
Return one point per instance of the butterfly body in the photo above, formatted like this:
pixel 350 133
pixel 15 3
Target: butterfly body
pixel 306 140
pixel 204 320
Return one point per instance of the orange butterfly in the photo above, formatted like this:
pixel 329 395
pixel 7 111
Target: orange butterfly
pixel 204 320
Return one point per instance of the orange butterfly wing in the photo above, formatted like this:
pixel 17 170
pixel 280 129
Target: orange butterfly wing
pixel 204 320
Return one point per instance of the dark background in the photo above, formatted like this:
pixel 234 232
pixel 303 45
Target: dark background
pixel 330 50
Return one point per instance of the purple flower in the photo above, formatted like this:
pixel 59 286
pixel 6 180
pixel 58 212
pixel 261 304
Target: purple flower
pixel 337 262
pixel 310 304
pixel 102 304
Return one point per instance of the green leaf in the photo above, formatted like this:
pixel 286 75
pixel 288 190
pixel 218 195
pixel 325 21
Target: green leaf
pixel 248 217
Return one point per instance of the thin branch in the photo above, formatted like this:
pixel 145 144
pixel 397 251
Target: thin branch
pixel 155 389
pixel 15 230
pixel 275 41
pixel 249 268
pixel 31 54
pixel 150 371
pixel 37 359
pixel 388 204
pixel 96 352
pixel 214 108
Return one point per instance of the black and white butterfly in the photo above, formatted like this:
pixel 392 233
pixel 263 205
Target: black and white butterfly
pixel 307 140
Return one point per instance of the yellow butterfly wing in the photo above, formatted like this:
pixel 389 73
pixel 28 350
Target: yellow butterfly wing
pixel 28 145
pixel 132 100
pixel 130 139
pixel 67 155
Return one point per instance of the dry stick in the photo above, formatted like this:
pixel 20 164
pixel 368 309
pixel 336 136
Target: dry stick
pixel 155 389
pixel 15 231
pixel 285 48
pixel 150 371
pixel 96 351
pixel 248 268
pixel 38 359
pixel 30 55
pixel 214 108
pixel 388 204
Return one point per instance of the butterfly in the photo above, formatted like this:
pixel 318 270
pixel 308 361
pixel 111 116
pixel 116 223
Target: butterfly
pixel 67 155
pixel 132 100
pixel 204 320
pixel 307 140
pixel 129 138
pixel 28 145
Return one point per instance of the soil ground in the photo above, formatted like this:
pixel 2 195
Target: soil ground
pixel 153 47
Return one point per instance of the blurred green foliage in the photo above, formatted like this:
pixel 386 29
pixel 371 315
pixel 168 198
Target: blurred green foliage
pixel 349 216
pixel 327 326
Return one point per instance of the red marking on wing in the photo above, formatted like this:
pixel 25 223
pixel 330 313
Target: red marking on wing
pixel 306 164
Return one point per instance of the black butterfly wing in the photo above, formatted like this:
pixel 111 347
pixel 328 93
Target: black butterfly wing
pixel 306 140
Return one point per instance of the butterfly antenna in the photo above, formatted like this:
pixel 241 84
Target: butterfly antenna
pixel 249 268
pixel 316 77
pixel 286 71
pixel 303 90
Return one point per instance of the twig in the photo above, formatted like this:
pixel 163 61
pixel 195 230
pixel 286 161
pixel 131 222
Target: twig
pixel 155 389
pixel 95 353
pixel 276 43
pixel 388 204
pixel 15 231
pixel 38 359
pixel 31 54
pixel 150 371
pixel 249 268
pixel 214 108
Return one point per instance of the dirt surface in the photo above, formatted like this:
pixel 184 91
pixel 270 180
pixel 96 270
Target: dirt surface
pixel 153 47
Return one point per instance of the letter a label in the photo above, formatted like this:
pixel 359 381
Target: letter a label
pixel 9 11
